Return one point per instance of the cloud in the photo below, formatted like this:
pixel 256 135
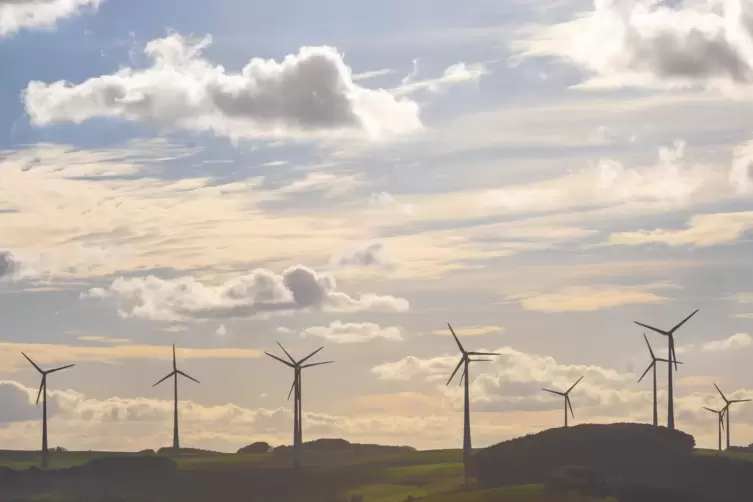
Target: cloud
pixel 741 173
pixel 132 424
pixel 736 341
pixel 589 298
pixel 16 15
pixel 298 288
pixel 647 43
pixel 221 331
pixel 702 230
pixel 114 352
pixel 456 74
pixel 470 330
pixel 9 266
pixel 308 93
pixel 367 255
pixel 351 332
pixel 386 202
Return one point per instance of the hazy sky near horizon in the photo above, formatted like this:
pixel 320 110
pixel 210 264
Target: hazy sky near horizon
pixel 226 175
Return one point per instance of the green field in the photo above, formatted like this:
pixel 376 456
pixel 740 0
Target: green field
pixel 430 476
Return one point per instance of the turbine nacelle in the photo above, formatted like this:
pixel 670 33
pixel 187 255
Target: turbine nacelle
pixel 465 358
pixel 670 334
pixel 44 373
pixel 175 372
pixel 566 395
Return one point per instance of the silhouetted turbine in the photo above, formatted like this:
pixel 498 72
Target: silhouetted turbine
pixel 465 360
pixel 174 373
pixel 566 395
pixel 653 365
pixel 297 387
pixel 43 392
pixel 727 404
pixel 720 425
pixel 672 357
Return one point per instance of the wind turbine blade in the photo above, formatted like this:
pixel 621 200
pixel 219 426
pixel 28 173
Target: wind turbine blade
pixel 480 360
pixel 553 391
pixel 460 345
pixel 740 400
pixel 41 386
pixel 679 324
pixel 644 373
pixel 483 354
pixel 712 411
pixel 570 405
pixel 573 386
pixel 454 372
pixel 668 361
pixel 723 396
pixel 286 353
pixel 187 376
pixel 165 378
pixel 310 356
pixel 721 421
pixel 649 346
pixel 462 376
pixel 316 364
pixel 660 331
pixel 33 363
pixel 292 386
pixel 283 361
pixel 61 368
pixel 673 355
pixel 175 363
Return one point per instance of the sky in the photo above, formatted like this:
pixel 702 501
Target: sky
pixel 227 175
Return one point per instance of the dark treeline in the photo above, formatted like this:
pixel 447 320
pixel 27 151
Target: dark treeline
pixel 633 462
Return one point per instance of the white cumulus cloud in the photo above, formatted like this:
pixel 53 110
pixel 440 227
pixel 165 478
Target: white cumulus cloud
pixel 736 341
pixel 653 43
pixel 261 291
pixel 349 332
pixel 310 92
pixel 16 15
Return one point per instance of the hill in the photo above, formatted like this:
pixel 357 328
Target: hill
pixel 635 461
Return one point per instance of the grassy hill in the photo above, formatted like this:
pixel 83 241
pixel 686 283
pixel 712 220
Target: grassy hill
pixel 551 466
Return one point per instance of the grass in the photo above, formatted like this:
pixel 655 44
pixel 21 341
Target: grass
pixel 58 460
pixel 739 455
pixel 522 493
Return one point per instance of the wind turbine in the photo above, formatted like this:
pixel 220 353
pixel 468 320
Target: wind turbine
pixel 566 395
pixel 465 361
pixel 650 366
pixel 43 392
pixel 727 404
pixel 720 414
pixel 297 366
pixel 174 373
pixel 672 357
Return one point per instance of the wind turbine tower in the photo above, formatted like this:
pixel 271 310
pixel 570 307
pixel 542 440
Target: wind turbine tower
pixel 174 373
pixel 465 361
pixel 654 359
pixel 720 425
pixel 566 395
pixel 43 392
pixel 728 403
pixel 296 390
pixel 672 357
